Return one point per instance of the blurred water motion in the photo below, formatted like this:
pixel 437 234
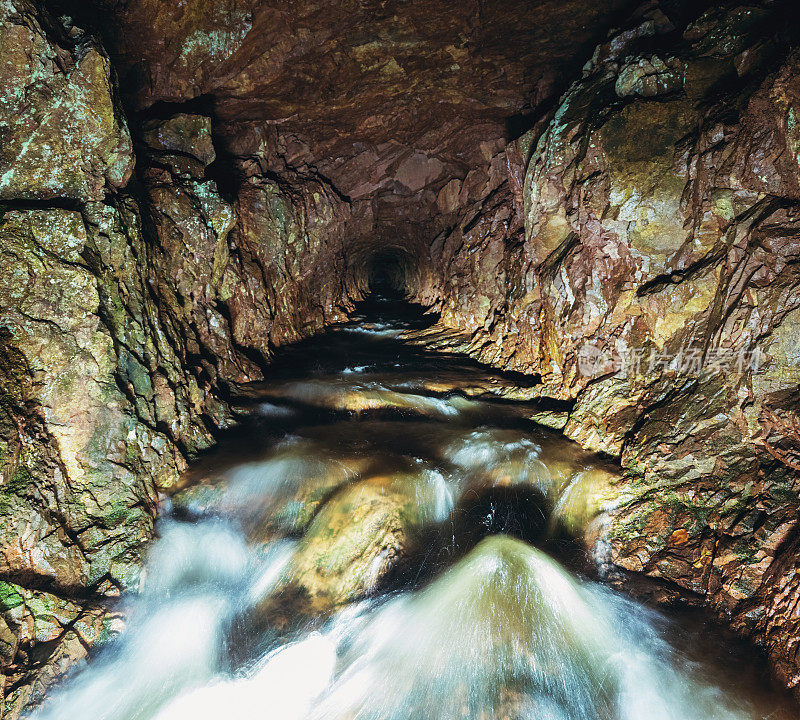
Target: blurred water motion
pixel 383 538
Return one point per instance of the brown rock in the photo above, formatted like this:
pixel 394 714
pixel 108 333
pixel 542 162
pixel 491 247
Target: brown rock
pixel 63 134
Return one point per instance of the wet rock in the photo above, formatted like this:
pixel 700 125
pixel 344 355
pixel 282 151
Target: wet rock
pixel 634 250
pixel 182 134
pixel 51 312
pixel 359 535
pixel 275 497
pixel 125 318
pixel 63 133
pixel 551 418
pixel 652 279
pixel 567 487
pixel 372 396
pixel 296 515
pixel 279 73
pixel 77 495
pixel 649 77
pixel 587 494
pixel 43 635
pixel 88 376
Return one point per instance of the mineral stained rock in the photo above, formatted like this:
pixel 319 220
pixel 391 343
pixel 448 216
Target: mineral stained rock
pixel 646 269
pixel 633 245
pixel 62 129
pixel 124 318
pixel 359 536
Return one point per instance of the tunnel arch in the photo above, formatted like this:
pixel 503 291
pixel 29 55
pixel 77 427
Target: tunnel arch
pixel 391 270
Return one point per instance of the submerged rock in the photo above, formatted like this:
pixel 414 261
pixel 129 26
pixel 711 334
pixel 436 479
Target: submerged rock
pixel 574 486
pixel 279 495
pixel 362 533
pixel 366 396
pixel 507 630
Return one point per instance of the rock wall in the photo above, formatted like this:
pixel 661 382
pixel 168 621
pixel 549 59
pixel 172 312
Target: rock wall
pixel 646 268
pixel 132 296
pixel 78 469
pixel 636 250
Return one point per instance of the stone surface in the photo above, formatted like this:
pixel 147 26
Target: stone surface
pixel 79 470
pixel 126 316
pixel 388 101
pixel 62 133
pixel 51 307
pixel 358 537
pixel 646 270
pixel 649 217
pixel 30 619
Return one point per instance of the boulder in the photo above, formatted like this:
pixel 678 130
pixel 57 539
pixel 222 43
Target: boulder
pixel 361 534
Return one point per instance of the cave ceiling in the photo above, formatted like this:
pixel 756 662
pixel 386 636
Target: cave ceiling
pixel 389 101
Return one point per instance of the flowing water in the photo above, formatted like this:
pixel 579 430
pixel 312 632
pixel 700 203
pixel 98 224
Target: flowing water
pixel 387 536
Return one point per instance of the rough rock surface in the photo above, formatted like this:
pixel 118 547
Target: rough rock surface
pixel 391 102
pixel 78 468
pixel 125 317
pixel 646 269
pixel 634 246
pixel 62 134
pixel 358 537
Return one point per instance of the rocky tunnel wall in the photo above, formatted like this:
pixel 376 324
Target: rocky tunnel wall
pixel 644 264
pixel 134 294
pixel 636 249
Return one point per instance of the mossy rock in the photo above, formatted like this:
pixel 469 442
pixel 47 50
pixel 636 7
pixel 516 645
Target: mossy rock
pixel 360 535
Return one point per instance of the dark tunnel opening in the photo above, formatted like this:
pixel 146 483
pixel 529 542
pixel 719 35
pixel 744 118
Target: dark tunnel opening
pixel 387 275
pixel 389 279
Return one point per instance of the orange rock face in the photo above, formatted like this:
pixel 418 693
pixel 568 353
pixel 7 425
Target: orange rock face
pixel 613 214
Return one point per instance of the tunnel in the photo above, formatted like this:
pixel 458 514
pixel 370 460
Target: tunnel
pixel 582 221
pixel 388 273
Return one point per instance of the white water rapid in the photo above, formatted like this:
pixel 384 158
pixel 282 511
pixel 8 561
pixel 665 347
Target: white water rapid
pixel 483 623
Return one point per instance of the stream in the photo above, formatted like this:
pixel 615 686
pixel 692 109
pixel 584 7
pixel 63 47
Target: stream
pixel 387 535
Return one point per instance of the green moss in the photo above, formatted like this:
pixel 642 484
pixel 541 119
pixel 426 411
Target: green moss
pixel 700 514
pixel 117 514
pixel 746 551
pixel 132 453
pixel 636 469
pixel 10 596
pixel 632 526
pixel 19 482
pixel 125 572
pixel 107 631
